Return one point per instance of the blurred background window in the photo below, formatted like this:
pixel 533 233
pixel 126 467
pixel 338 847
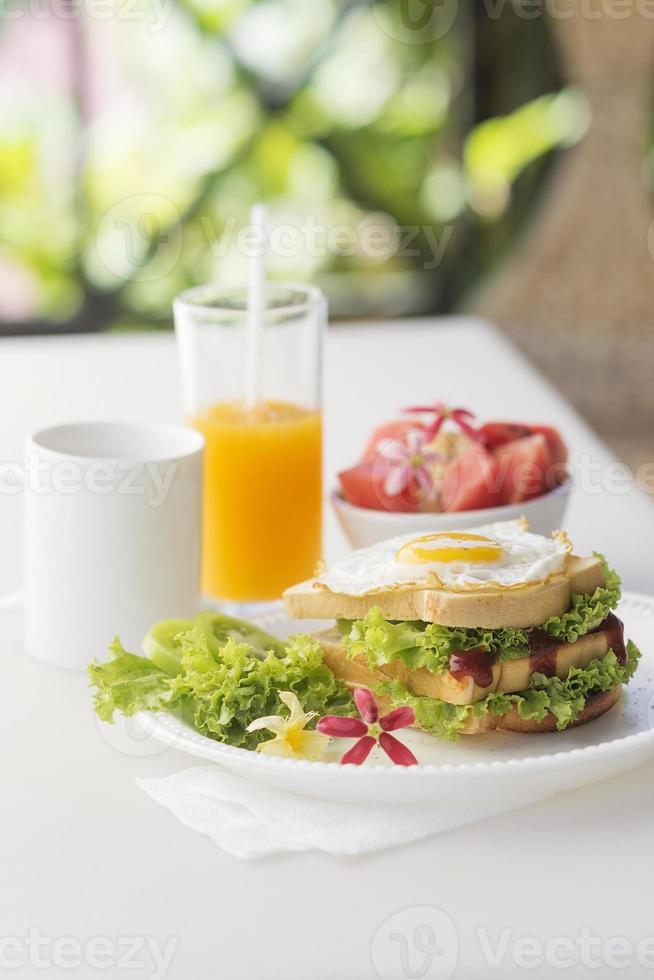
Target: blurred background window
pixel 399 160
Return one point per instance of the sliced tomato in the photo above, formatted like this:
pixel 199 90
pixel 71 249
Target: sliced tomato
pixel 557 447
pixel 498 433
pixel 525 468
pixel 390 430
pixel 363 486
pixel 471 481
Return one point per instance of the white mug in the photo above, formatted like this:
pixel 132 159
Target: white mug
pixel 112 535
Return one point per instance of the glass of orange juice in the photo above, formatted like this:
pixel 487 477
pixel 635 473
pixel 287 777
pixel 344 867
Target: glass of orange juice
pixel 262 508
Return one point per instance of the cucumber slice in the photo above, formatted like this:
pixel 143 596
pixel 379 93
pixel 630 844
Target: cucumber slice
pixel 220 628
pixel 160 646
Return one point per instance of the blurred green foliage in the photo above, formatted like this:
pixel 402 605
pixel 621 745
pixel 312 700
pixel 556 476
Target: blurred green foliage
pixel 132 145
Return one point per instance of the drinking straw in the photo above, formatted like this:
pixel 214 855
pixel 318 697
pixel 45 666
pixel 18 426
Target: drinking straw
pixel 256 302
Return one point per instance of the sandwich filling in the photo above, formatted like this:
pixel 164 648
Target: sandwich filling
pixel 565 698
pixel 439 648
pixel 452 674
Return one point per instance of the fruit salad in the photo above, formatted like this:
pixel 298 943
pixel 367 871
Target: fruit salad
pixel 437 459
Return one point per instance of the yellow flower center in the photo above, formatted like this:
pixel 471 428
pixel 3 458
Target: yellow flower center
pixel 294 738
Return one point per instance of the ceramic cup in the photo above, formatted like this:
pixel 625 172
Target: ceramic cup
pixel 112 535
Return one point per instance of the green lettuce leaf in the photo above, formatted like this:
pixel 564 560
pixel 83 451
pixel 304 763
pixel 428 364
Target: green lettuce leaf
pixel 565 699
pixel 428 645
pixel 433 715
pixel 127 683
pixel 230 691
pixel 587 612
pixel 226 686
pixel 419 644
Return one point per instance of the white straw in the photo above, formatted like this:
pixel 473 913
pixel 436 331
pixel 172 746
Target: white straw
pixel 256 302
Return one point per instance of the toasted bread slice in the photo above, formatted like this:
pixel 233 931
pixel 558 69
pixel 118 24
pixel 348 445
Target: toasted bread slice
pixel 509 676
pixel 488 608
pixel 596 705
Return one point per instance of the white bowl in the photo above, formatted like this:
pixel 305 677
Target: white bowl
pixel 363 526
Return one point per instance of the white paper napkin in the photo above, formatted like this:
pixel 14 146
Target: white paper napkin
pixel 251 820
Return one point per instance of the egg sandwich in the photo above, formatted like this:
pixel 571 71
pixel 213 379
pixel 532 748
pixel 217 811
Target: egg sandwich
pixel 491 628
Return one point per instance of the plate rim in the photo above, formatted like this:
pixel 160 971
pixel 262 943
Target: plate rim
pixel 165 725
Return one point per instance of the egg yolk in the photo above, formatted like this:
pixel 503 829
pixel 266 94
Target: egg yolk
pixel 448 547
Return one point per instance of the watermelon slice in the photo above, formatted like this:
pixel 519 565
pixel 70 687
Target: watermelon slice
pixel 525 468
pixel 471 481
pixel 498 433
pixel 558 451
pixel 363 486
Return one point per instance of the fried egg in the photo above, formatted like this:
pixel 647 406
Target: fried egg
pixel 503 556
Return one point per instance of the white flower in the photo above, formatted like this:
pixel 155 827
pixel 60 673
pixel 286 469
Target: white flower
pixel 291 740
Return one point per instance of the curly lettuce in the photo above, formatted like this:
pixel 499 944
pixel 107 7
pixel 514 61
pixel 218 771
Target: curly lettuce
pixel 225 686
pixel 418 644
pixel 128 683
pixel 428 645
pixel 564 698
pixel 587 612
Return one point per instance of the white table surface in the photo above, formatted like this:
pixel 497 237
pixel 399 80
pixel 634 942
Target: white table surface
pixel 84 853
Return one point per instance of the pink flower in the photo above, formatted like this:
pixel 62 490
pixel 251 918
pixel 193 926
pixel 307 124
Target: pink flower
pixel 370 729
pixel 441 412
pixel 407 462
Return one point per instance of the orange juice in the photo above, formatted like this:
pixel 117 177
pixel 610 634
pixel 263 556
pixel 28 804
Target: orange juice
pixel 262 498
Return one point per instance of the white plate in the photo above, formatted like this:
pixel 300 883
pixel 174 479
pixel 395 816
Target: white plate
pixel 483 773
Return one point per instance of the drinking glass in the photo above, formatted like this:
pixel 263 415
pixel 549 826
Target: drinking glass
pixel 262 507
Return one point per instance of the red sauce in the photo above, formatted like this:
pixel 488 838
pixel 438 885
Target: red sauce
pixel 542 652
pixel 614 629
pixel 543 647
pixel 477 663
